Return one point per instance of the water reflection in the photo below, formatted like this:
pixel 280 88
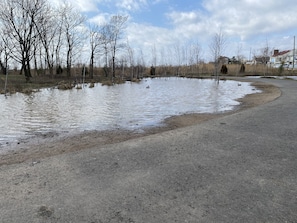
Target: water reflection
pixel 129 106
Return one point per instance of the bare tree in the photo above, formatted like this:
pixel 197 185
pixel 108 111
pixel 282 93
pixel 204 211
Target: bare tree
pixel 169 56
pixel 195 54
pixel 154 56
pixel 239 58
pixel 72 20
pixel 96 39
pixel 265 57
pixel 116 28
pixel 217 47
pixel 4 53
pixel 131 59
pixel 163 61
pixel 123 65
pixel 18 18
pixel 36 48
pixel 140 64
pixel 178 57
pixel 48 30
pixel 104 46
pixel 57 44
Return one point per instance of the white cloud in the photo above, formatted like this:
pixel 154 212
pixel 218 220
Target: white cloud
pixel 240 20
pixel 148 36
pixel 250 22
pixel 248 18
pixel 145 38
pixel 86 6
pixel 131 5
pixel 158 1
pixel 100 19
pixel 80 5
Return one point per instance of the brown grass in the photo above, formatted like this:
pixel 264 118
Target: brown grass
pixel 17 83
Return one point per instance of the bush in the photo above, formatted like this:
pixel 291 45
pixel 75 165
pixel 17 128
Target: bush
pixel 281 69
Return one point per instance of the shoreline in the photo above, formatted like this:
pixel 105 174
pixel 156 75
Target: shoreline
pixel 34 149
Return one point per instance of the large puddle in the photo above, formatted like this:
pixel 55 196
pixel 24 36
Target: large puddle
pixel 128 106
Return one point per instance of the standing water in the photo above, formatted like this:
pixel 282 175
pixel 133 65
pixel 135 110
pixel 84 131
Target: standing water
pixel 127 106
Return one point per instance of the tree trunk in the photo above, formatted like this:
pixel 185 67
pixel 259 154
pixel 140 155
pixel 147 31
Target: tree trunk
pixel 68 66
pixel 92 66
pixel 113 67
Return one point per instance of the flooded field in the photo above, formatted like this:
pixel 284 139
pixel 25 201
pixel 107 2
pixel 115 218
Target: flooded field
pixel 128 106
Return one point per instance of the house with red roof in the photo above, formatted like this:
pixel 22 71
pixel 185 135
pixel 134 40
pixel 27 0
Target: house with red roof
pixel 283 57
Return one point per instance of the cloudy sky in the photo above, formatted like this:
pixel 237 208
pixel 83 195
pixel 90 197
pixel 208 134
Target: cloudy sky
pixel 248 25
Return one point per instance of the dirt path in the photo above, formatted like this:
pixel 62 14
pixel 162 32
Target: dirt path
pixel 52 144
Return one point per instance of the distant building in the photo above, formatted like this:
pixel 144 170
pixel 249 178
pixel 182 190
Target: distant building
pixel 258 60
pixel 283 57
pixel 224 60
pixel 261 59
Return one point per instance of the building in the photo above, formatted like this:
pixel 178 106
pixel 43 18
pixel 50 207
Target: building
pixel 283 57
pixel 258 60
pixel 261 59
pixel 224 60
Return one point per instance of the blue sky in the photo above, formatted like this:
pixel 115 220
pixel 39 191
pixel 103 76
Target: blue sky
pixel 248 25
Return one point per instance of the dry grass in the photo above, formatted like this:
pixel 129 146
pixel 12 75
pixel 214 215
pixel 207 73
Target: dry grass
pixel 17 83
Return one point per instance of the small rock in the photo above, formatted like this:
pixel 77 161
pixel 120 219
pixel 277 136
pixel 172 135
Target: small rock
pixel 35 162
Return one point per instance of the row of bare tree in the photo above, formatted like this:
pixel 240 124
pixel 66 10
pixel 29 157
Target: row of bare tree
pixel 34 33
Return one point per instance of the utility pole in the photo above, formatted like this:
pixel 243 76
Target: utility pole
pixel 294 54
